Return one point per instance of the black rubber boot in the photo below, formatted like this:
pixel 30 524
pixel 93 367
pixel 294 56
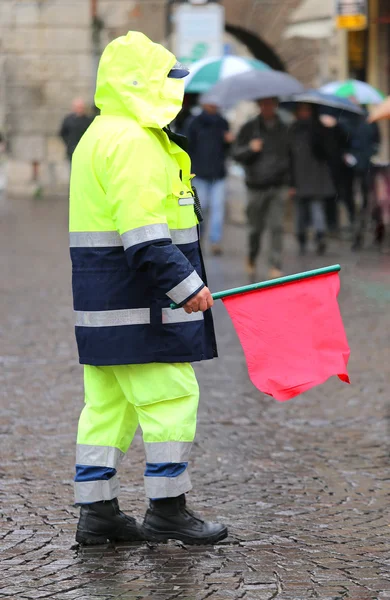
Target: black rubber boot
pixel 103 521
pixel 170 519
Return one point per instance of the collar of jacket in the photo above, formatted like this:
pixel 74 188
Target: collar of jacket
pixel 262 125
pixel 179 139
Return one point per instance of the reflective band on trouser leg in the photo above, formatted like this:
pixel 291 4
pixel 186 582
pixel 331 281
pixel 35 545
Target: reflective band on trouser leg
pixel 98 456
pixel 86 492
pixel 166 469
pixel 106 428
pixel 166 452
pixel 167 487
pixel 185 288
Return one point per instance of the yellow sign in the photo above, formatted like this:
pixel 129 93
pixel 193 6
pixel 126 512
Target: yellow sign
pixel 351 14
pixel 352 22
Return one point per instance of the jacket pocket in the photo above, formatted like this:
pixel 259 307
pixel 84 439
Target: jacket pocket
pixel 152 383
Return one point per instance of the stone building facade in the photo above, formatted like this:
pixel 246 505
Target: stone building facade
pixel 49 51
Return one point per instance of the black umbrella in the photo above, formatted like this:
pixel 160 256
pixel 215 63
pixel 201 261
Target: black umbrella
pixel 252 85
pixel 326 102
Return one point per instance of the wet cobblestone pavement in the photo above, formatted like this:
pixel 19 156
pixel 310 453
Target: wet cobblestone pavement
pixel 304 486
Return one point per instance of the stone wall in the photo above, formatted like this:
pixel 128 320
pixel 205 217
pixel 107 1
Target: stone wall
pixel 47 49
pixel 49 59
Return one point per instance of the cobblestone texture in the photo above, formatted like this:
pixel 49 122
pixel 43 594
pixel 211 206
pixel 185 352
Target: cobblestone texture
pixel 303 486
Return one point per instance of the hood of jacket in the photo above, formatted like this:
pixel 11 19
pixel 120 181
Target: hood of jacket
pixel 133 81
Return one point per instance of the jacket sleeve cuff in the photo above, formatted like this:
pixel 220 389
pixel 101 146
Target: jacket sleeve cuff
pixel 245 155
pixel 187 288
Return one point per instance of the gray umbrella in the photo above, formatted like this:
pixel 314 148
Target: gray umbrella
pixel 252 85
pixel 335 103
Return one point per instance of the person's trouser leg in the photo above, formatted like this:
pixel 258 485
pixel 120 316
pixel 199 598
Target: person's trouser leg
pixel 277 205
pixel 318 216
pixel 366 180
pixel 257 211
pixel 106 428
pixel 349 193
pixel 317 209
pixel 363 181
pixel 331 213
pixel 165 397
pixel 301 221
pixel 217 210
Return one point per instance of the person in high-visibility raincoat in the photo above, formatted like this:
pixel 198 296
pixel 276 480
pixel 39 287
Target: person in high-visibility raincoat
pixel 135 250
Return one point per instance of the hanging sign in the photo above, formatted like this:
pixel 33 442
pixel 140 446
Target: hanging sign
pixel 351 14
pixel 199 31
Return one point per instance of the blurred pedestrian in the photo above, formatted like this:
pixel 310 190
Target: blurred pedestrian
pixel 208 140
pixel 262 148
pixel 336 142
pixel 3 169
pixel 312 181
pixel 74 126
pixel 363 144
pixel 186 115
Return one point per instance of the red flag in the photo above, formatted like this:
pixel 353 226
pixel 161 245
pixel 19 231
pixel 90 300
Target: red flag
pixel 292 335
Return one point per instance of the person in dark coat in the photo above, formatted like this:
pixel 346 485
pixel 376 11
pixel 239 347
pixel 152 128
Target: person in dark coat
pixel 208 141
pixel 262 148
pixel 74 126
pixel 363 141
pixel 312 181
pixel 363 144
pixel 186 115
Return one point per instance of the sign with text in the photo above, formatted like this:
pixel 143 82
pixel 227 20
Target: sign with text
pixel 351 14
pixel 199 31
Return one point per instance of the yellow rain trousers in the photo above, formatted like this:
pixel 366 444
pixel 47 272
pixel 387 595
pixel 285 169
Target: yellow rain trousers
pixel 163 400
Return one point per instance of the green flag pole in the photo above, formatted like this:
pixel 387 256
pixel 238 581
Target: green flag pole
pixel 262 285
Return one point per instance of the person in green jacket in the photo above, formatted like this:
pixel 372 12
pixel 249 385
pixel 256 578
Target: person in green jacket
pixel 135 250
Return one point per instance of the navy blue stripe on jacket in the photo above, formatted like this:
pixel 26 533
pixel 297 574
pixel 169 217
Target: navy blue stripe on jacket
pixel 111 285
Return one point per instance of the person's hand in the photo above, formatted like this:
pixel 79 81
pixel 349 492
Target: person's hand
pixel 350 160
pixel 328 121
pixel 201 302
pixel 256 145
pixel 228 137
pixel 292 192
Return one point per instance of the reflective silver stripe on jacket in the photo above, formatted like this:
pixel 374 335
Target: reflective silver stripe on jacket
pixel 146 233
pixel 167 487
pixel 112 318
pixel 94 239
pixel 185 288
pixel 186 201
pixel 95 491
pixel 160 452
pixel 102 239
pixel 180 316
pixel 184 236
pixel 98 456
